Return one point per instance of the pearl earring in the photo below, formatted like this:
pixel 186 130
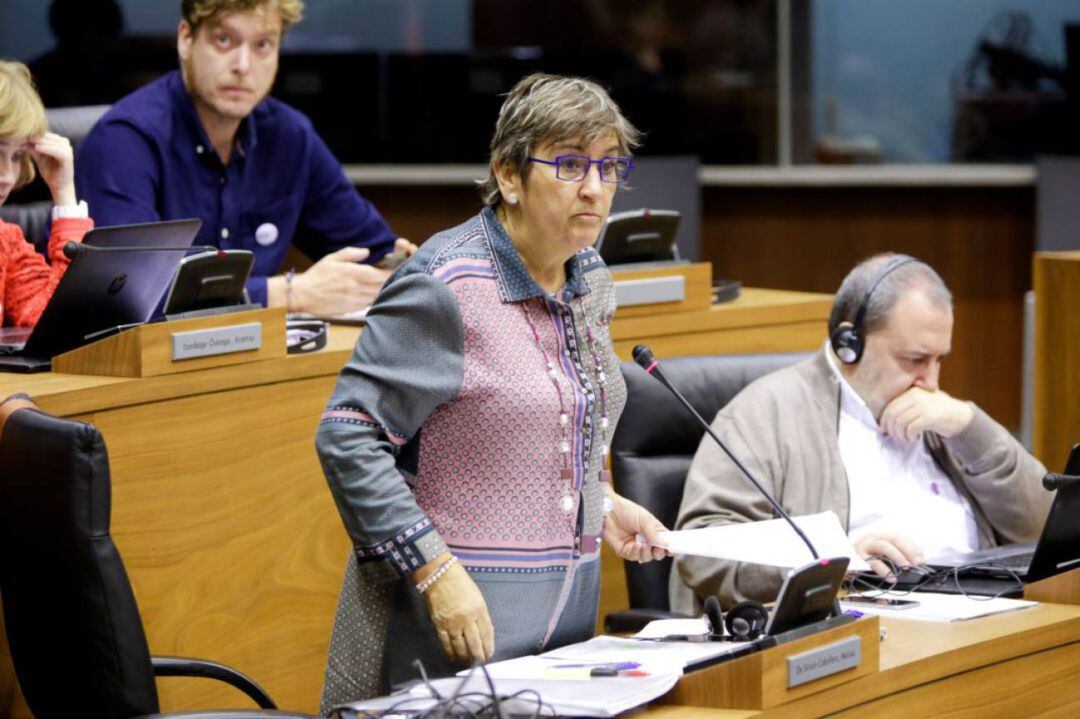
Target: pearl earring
pixel 512 198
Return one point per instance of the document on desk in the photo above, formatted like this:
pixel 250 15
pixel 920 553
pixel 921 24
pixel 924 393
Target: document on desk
pixel 934 607
pixel 653 657
pixel 771 542
pixel 655 667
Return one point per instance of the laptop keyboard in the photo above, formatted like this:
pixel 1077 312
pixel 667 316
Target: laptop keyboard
pixel 1016 561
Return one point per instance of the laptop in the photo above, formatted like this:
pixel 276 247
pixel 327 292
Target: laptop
pixel 101 292
pixel 1058 548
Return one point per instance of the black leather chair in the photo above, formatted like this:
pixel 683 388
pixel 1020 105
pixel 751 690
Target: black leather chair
pixel 73 626
pixel 654 443
pixel 74 123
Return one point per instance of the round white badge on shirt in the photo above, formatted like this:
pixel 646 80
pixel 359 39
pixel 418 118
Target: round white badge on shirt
pixel 266 234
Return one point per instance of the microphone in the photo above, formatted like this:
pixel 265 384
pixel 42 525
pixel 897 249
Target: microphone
pixel 1053 480
pixel 74 249
pixel 644 357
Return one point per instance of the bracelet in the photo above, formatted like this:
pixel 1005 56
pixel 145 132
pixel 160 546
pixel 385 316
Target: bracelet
pixel 437 574
pixel 289 297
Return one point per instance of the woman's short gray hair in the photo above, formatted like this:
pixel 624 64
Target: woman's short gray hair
pixel 915 275
pixel 546 108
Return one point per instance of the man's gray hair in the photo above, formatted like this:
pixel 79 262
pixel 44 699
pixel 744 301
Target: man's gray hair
pixel 547 108
pixel 915 275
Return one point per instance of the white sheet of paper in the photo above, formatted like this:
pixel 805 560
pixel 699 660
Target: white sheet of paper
pixel 660 628
pixel 771 542
pixel 934 607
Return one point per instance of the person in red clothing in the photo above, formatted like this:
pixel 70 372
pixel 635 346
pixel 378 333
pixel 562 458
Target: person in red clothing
pixel 27 280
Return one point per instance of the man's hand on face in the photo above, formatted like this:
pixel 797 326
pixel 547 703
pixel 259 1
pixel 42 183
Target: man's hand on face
pixel 918 410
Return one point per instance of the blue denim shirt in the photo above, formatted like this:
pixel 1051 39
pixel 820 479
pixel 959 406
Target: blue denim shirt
pixel 150 159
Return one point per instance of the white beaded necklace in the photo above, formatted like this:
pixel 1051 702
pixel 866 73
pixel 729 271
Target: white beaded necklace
pixel 566 475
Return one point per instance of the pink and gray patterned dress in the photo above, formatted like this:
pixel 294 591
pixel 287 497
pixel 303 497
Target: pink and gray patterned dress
pixel 444 433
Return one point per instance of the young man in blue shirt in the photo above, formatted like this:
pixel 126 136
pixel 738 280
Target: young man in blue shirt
pixel 207 142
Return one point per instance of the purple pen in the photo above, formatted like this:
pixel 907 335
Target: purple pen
pixel 617 666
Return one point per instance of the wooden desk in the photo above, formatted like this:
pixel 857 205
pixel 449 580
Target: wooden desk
pixel 221 512
pixel 1018 664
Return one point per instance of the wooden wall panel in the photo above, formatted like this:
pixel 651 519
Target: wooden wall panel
pixel 980 241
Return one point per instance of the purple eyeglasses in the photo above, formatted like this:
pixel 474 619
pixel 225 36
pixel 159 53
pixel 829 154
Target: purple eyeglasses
pixel 574 168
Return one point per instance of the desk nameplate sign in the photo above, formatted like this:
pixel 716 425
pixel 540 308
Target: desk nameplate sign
pixel 650 290
pixel 182 345
pixel 824 661
pixel 216 341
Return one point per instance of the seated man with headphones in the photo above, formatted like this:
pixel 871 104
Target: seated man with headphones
pixel 863 429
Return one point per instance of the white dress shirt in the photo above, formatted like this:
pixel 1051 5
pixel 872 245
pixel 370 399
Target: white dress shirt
pixel 897 487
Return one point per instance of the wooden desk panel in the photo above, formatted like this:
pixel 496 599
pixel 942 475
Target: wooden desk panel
pixel 1056 381
pixel 1018 664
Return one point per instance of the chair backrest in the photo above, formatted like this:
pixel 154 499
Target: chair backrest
pixel 656 438
pixel 74 123
pixel 74 630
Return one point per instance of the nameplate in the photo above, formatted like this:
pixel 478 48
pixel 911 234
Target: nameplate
pixel 216 341
pixel 650 290
pixel 823 661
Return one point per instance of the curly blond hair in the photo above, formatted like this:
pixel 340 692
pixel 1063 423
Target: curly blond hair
pixel 22 116
pixel 196 12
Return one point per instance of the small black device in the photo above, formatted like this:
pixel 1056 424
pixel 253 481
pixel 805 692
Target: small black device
pixel 848 340
pixel 807 595
pixel 639 236
pixel 208 280
pixel 885 602
pixel 116 279
pixel 392 260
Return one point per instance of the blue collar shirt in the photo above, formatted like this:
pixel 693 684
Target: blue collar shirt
pixel 149 159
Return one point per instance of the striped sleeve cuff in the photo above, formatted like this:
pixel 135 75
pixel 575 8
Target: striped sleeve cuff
pixel 408 550
pixel 355 415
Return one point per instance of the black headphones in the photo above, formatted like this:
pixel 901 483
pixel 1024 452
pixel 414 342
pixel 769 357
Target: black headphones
pixel 848 340
pixel 744 622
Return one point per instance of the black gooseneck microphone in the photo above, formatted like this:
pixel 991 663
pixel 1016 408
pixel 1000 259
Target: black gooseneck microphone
pixel 1053 480
pixel 644 357
pixel 74 249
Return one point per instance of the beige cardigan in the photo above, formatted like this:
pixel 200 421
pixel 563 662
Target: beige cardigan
pixel 784 428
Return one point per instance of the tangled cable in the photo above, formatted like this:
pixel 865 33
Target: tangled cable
pixel 926 576
pixel 473 704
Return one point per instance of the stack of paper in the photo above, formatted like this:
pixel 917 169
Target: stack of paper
pixel 934 607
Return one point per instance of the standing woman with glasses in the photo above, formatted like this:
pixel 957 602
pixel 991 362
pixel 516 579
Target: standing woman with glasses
pixel 467 437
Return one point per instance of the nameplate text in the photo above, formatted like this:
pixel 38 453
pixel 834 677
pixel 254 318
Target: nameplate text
pixel 823 661
pixel 216 341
